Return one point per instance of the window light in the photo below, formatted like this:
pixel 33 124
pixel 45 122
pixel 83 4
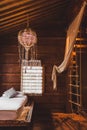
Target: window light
pixel 32 77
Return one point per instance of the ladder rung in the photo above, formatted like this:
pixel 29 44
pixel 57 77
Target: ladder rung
pixel 74 53
pixel 74 70
pixel 73 75
pixel 77 86
pixel 74 103
pixel 71 66
pixel 74 94
pixel 73 62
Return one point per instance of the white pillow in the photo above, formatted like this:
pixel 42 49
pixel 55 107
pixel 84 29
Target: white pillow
pixel 20 94
pixel 10 93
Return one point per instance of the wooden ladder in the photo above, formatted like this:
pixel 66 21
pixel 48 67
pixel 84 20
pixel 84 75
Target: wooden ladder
pixel 74 83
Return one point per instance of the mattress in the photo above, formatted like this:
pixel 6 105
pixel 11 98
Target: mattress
pixel 10 108
pixel 23 119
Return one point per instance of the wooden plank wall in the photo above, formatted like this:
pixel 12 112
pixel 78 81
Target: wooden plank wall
pixel 50 50
pixel 9 65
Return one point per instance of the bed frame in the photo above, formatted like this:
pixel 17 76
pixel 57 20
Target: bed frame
pixel 19 122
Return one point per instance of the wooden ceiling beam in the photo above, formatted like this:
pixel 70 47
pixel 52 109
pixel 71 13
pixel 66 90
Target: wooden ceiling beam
pixel 37 8
pixel 14 4
pixel 22 20
pixel 20 8
pixel 4 2
pixel 23 15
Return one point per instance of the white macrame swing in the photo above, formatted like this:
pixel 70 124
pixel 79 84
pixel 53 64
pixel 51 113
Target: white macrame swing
pixel 70 39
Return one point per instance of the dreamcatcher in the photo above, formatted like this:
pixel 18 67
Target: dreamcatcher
pixel 27 38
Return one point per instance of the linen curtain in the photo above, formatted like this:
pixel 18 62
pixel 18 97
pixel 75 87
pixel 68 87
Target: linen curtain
pixel 70 39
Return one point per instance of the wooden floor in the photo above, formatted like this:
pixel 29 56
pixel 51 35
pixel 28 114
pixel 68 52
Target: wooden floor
pixel 45 120
pixel 58 121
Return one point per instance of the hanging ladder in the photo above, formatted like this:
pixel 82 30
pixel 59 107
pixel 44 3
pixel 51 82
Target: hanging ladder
pixel 74 82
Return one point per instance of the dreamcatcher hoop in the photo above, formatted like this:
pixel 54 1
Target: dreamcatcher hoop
pixel 27 38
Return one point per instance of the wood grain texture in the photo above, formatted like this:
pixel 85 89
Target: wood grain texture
pixel 50 50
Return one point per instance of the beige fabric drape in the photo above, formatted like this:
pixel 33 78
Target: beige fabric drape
pixel 70 39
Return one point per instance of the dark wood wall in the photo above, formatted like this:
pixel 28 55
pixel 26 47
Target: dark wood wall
pixel 9 65
pixel 50 50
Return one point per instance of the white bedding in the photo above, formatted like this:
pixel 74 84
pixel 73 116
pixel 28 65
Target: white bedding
pixel 10 108
pixel 12 103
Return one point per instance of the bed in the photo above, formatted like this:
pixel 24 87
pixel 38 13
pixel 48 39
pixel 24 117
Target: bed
pixel 10 108
pixel 14 109
pixel 11 104
pixel 23 120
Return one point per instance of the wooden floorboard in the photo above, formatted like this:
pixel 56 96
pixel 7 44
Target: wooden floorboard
pixel 58 121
